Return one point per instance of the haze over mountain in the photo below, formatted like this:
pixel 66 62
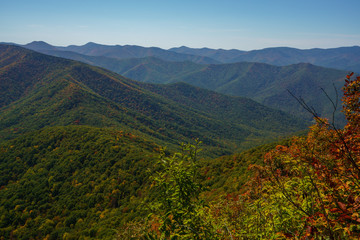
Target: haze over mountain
pixel 343 58
pixel 121 52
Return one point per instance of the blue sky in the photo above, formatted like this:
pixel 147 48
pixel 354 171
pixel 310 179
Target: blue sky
pixel 227 24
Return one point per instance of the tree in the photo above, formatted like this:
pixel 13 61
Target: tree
pixel 177 207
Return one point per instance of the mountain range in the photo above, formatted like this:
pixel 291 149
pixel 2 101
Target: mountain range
pixel 121 52
pixel 39 90
pixel 342 58
pixel 264 83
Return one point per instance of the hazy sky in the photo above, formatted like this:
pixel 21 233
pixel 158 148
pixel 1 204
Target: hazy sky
pixel 239 24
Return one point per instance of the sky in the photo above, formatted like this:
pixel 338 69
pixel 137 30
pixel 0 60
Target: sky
pixel 226 24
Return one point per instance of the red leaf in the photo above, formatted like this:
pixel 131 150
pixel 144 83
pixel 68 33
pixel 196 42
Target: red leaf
pixel 334 210
pixel 342 206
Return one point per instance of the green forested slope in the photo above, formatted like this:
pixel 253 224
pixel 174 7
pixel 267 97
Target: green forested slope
pixel 75 180
pixel 226 108
pixel 85 182
pixel 269 84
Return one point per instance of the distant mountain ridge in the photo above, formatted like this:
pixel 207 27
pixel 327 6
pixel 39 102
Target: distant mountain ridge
pixel 121 52
pixel 222 55
pixel 342 58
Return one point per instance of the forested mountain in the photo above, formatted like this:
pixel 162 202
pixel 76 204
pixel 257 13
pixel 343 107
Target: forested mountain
pixel 40 90
pixel 270 84
pixel 223 106
pixel 267 84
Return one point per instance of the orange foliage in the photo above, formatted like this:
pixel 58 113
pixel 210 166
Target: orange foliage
pixel 331 157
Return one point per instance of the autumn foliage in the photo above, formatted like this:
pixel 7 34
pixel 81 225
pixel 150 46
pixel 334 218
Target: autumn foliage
pixel 315 180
